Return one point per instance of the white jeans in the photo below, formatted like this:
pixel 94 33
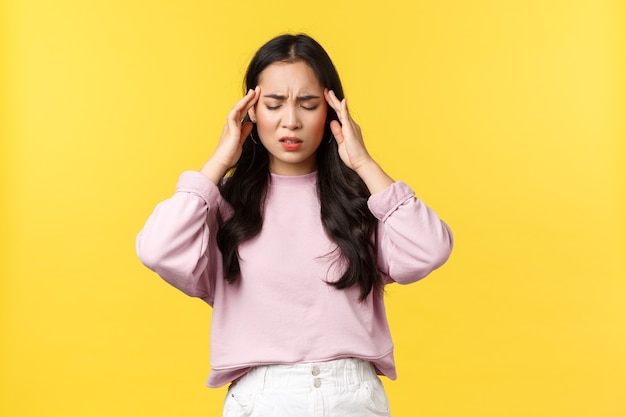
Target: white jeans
pixel 340 388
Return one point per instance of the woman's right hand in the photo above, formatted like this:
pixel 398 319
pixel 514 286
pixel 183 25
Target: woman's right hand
pixel 228 149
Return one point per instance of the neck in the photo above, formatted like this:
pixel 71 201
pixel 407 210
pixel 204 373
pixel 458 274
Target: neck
pixel 303 168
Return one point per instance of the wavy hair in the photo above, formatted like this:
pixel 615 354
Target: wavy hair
pixel 343 195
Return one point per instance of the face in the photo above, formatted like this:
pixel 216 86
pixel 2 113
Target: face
pixel 290 117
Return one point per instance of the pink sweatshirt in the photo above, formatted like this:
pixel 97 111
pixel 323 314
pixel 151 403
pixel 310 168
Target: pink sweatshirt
pixel 281 310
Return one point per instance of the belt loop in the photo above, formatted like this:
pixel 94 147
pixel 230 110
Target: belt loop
pixel 264 378
pixel 359 370
pixel 364 370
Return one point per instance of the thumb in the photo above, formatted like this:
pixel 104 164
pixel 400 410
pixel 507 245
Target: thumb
pixel 335 128
pixel 245 131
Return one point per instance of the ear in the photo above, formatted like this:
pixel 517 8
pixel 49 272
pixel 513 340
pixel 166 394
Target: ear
pixel 252 114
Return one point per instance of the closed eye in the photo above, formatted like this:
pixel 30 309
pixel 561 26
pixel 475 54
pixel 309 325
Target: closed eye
pixel 302 99
pixel 310 108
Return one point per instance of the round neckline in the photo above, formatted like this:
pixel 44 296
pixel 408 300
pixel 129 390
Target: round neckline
pixel 277 179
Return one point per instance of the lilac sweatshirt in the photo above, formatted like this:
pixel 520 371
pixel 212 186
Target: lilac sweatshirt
pixel 281 310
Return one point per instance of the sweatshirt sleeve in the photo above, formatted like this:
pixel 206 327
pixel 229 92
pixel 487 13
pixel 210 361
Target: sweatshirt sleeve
pixel 412 241
pixel 178 241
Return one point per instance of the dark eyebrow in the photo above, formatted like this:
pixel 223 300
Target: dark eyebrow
pixel 301 98
pixel 309 97
pixel 275 96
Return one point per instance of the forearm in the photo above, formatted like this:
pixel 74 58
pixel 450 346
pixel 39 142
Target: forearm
pixel 214 170
pixel 177 240
pixel 374 177
pixel 172 239
pixel 412 239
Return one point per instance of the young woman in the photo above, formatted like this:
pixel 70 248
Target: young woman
pixel 290 232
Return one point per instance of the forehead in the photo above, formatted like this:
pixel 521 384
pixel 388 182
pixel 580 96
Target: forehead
pixel 289 76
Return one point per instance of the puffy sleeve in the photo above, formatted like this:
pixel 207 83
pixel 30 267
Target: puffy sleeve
pixel 178 241
pixel 411 239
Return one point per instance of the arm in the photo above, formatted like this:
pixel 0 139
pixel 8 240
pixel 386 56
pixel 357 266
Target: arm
pixel 178 239
pixel 228 149
pixel 412 241
pixel 352 148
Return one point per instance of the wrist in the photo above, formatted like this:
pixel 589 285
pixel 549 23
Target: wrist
pixel 366 166
pixel 374 177
pixel 213 170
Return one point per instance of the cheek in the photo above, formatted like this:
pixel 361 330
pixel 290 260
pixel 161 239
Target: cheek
pixel 264 122
pixel 319 122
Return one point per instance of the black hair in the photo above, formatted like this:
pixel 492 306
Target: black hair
pixel 343 195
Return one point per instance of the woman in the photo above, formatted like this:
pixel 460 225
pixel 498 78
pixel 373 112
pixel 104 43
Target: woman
pixel 293 247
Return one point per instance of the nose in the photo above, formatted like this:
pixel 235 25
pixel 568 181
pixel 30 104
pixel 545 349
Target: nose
pixel 291 120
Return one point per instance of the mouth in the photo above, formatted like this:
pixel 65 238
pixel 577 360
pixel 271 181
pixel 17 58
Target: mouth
pixel 290 143
pixel 290 140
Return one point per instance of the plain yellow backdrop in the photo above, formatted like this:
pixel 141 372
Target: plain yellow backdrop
pixel 505 116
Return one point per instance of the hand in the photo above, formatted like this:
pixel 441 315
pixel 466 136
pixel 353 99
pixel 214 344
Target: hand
pixel 228 149
pixel 352 148
pixel 347 134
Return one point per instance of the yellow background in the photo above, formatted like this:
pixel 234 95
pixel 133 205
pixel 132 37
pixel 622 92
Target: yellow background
pixel 507 117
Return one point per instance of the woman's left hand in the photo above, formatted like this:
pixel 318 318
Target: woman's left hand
pixel 347 134
pixel 352 148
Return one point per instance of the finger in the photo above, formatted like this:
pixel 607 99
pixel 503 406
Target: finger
pixel 253 100
pixel 245 102
pixel 346 118
pixel 236 110
pixel 330 99
pixel 333 101
pixel 245 131
pixel 341 108
pixel 240 109
pixel 344 110
pixel 337 131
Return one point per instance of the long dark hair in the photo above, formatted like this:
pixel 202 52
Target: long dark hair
pixel 343 195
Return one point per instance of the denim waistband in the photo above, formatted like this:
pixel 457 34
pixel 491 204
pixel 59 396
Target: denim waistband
pixel 339 374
